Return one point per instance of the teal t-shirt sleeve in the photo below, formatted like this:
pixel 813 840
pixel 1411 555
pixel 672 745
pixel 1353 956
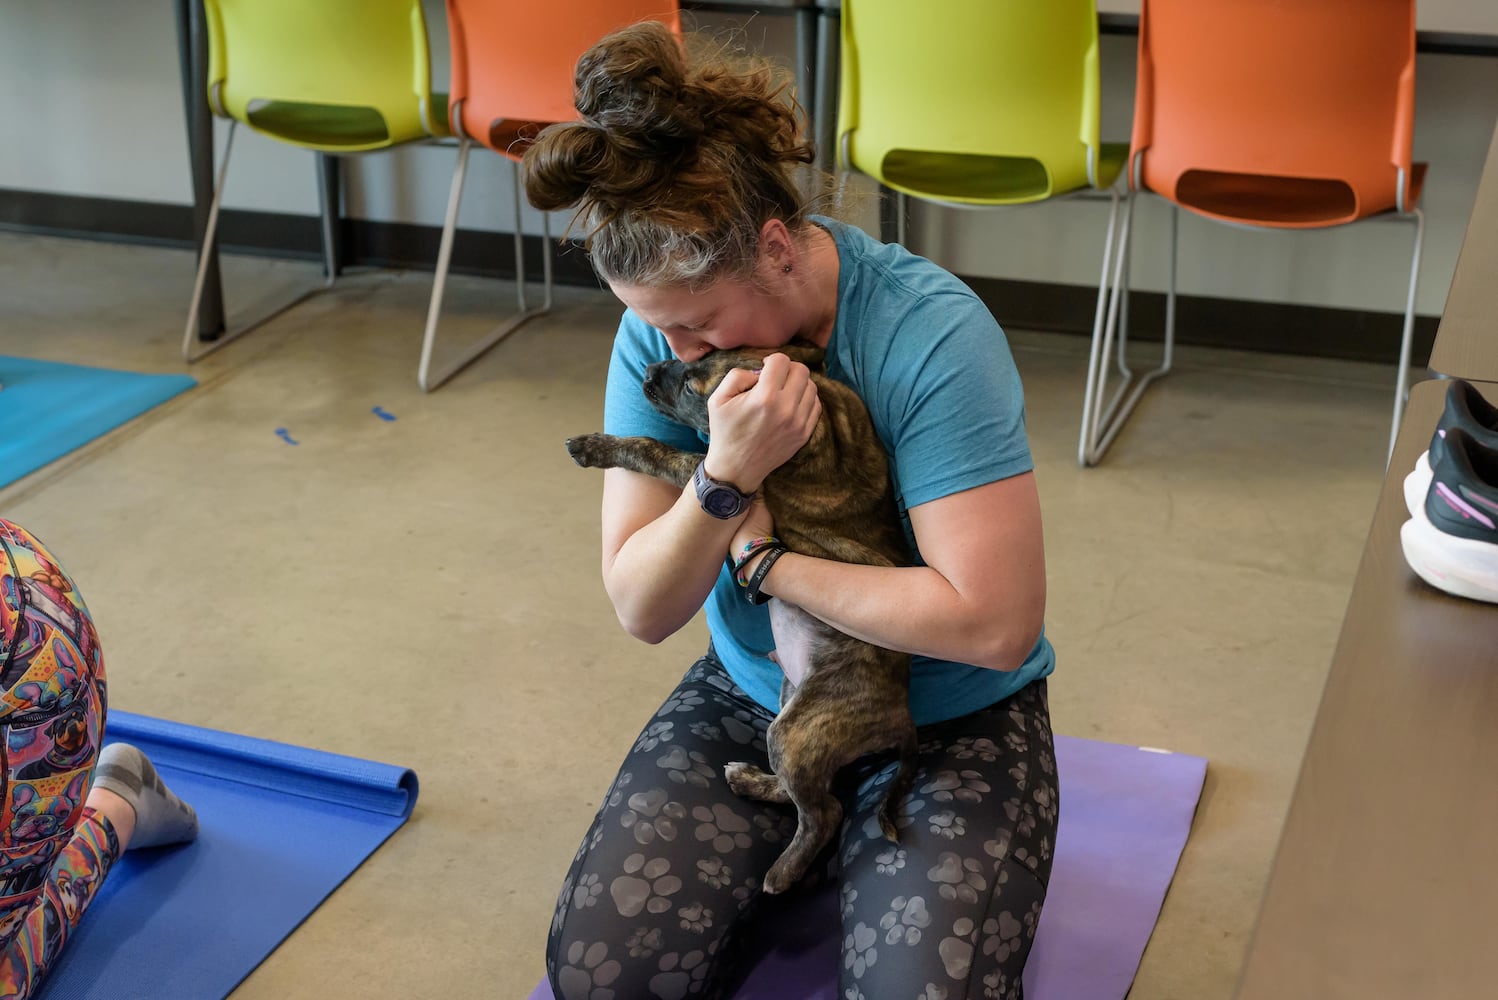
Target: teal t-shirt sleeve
pixel 957 412
pixel 626 411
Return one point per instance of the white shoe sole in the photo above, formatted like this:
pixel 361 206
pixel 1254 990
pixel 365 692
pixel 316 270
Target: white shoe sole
pixel 1417 484
pixel 1461 566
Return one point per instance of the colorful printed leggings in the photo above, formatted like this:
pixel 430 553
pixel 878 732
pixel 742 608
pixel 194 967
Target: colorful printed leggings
pixel 670 870
pixel 54 851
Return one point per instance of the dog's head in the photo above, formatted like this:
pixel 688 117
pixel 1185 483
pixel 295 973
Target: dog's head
pixel 679 389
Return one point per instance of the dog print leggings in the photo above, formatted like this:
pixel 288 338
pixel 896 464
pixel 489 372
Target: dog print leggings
pixel 54 852
pixel 667 879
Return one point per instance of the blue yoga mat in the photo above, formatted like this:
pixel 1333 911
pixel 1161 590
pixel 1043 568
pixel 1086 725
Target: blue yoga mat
pixel 1126 813
pixel 48 409
pixel 279 828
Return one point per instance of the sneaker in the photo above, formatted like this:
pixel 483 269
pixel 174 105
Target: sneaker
pixel 1465 408
pixel 1451 540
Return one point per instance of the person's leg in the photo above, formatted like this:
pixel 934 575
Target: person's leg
pixel 61 836
pixel 950 912
pixel 672 865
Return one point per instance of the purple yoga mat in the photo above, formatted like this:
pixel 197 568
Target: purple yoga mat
pixel 1125 815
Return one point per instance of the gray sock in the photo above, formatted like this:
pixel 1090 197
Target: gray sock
pixel 160 817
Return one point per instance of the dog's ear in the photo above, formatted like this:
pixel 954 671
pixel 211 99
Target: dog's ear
pixel 806 352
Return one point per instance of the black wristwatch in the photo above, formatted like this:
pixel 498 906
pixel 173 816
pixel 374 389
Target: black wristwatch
pixel 721 500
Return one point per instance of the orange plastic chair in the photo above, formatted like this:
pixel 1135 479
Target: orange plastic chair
pixel 512 75
pixel 1288 116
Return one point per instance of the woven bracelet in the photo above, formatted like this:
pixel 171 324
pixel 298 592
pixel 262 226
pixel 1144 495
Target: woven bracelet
pixel 749 551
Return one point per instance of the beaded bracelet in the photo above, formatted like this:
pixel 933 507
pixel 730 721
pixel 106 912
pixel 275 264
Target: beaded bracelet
pixel 751 592
pixel 749 551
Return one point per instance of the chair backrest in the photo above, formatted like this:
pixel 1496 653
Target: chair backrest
pixel 513 61
pixel 334 75
pixel 1289 114
pixel 974 101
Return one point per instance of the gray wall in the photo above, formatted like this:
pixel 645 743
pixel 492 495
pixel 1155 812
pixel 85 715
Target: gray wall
pixel 91 101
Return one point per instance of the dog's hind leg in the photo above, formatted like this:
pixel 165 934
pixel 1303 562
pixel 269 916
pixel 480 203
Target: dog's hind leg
pixel 817 819
pixel 752 783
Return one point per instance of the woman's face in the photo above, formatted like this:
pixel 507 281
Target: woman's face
pixel 727 314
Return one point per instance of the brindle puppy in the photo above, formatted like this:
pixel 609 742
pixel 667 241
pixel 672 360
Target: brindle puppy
pixel 832 500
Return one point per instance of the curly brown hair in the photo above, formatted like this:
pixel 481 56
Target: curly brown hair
pixel 679 160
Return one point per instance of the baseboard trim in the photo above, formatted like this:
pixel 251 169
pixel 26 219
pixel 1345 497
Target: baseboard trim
pixel 1317 331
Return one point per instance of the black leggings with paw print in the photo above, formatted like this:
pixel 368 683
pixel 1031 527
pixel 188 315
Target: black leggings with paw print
pixel 657 900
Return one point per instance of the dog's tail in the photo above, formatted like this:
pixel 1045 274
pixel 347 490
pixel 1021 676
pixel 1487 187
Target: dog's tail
pixel 899 789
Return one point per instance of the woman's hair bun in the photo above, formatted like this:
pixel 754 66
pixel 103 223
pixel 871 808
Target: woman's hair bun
pixel 639 120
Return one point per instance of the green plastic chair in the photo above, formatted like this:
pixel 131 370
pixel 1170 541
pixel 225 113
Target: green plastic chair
pixel 974 102
pixel 332 76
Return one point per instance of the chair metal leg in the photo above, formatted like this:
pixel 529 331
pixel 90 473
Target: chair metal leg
pixel 205 258
pixel 1100 423
pixel 1401 386
pixel 425 376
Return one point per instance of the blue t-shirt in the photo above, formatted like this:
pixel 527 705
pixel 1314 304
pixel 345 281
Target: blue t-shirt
pixel 932 365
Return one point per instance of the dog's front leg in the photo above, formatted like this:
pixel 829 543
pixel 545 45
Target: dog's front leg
pixel 637 454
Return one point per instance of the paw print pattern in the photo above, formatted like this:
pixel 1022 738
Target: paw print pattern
pixel 1002 936
pixel 996 987
pixel 961 786
pixel 682 701
pixel 681 976
pixel 1045 801
pixel 933 992
pixel 854 992
pixel 588 972
pixel 705 731
pixel 848 895
pixel 890 860
pixel 621 788
pixel 958 878
pixel 654 735
pixel 979 748
pixel 774 827
pixel 644 942
pixel 741 728
pixel 686 768
pixel 726 829
pixel 714 872
pixel 652 815
pixel 586 894
pixel 905 921
pixel 948 824
pixel 1022 816
pixel 956 949
pixel 646 886
pixel 859 949
pixel 695 918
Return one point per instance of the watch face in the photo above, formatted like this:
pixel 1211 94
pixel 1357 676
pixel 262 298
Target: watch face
pixel 721 503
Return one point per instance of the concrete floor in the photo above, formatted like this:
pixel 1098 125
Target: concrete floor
pixel 425 591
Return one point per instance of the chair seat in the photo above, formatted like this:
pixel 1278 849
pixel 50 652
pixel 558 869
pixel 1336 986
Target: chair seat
pixel 1281 202
pixel 336 127
pixel 973 179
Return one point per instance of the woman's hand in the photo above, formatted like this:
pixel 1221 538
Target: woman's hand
pixel 758 420
pixel 756 524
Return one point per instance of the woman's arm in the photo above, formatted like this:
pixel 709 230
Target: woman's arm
pixel 979 599
pixel 661 551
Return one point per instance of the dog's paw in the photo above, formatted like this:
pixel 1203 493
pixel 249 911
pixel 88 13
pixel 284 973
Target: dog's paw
pixel 591 451
pixel 750 782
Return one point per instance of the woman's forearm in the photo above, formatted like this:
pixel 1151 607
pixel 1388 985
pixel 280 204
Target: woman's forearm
pixel 914 609
pixel 662 573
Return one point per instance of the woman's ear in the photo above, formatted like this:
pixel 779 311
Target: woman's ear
pixel 775 244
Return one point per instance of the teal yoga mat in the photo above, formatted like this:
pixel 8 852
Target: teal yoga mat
pixel 48 409
pixel 280 827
